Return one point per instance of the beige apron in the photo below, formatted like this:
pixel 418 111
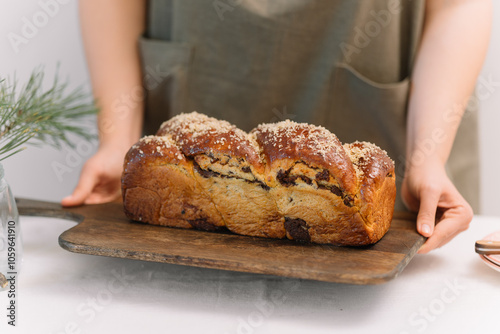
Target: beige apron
pixel 342 64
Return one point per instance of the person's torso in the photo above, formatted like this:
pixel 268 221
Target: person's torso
pixel 341 64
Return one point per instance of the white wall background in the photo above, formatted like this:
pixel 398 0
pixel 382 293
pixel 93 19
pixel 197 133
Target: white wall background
pixel 489 122
pixel 31 173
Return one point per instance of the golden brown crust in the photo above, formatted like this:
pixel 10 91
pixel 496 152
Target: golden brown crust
pixel 158 187
pixel 286 142
pixel 287 179
pixel 377 186
pixel 196 133
pixel 227 166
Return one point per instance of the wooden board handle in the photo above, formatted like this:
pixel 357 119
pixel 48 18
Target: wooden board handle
pixel 29 207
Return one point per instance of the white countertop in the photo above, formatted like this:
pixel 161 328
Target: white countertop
pixel 447 291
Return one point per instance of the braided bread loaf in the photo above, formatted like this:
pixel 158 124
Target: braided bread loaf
pixel 284 179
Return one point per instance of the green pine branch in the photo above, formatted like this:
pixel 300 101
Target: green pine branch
pixel 41 116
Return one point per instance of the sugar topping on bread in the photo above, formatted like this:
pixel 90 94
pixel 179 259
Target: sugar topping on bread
pixel 365 156
pixel 361 152
pixel 158 145
pixel 317 139
pixel 196 133
pixel 198 125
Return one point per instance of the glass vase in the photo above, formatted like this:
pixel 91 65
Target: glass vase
pixel 10 236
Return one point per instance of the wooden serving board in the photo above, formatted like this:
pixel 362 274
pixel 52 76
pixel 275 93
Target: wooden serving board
pixel 104 230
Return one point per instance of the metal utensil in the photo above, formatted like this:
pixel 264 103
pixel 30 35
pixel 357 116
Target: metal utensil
pixel 487 247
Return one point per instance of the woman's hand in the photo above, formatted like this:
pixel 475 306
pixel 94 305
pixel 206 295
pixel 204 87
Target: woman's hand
pixel 448 61
pixel 100 178
pixel 110 31
pixel 442 211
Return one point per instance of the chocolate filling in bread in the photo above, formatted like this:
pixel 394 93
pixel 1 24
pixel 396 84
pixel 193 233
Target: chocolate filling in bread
pixel 348 200
pixel 201 223
pixel 324 175
pixel 288 180
pixel 205 225
pixel 334 189
pixel 209 173
pixel 298 229
pixel 246 169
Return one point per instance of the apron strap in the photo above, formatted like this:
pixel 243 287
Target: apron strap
pixel 416 30
pixel 159 18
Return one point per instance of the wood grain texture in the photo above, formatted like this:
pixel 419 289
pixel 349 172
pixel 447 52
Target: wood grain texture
pixel 104 230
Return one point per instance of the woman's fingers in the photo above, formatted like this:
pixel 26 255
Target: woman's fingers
pixel 426 219
pixel 84 188
pixel 99 180
pixel 106 191
pixel 453 221
pixel 455 217
pixel 442 211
